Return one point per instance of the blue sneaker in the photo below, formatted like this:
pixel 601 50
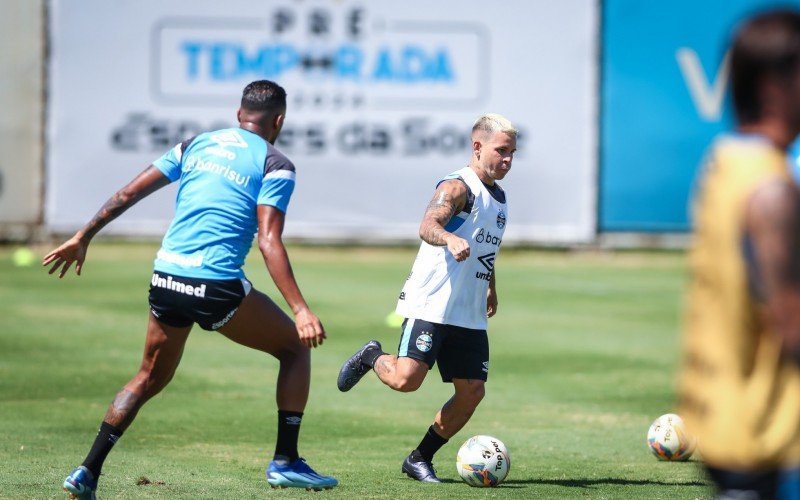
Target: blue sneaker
pixel 297 474
pixel 81 484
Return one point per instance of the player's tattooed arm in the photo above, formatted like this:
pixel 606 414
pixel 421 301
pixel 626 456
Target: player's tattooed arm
pixel 448 200
pixel 150 180
pixel 773 227
pixel 74 249
pixel 439 211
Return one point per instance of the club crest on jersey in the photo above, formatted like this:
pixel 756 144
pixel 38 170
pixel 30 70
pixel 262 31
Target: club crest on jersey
pixel 424 342
pixel 501 220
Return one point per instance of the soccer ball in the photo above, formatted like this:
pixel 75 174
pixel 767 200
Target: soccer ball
pixel 668 439
pixel 483 461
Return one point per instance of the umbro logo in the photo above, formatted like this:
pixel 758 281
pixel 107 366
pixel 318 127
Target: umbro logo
pixel 294 420
pixel 487 261
pixel 230 138
pixel 485 366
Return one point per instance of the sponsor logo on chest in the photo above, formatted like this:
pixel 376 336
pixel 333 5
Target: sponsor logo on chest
pixel 488 237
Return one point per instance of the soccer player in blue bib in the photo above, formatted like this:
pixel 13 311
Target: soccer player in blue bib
pixel 233 184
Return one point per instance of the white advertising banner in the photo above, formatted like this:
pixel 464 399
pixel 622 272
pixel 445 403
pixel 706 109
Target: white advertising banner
pixel 21 88
pixel 381 99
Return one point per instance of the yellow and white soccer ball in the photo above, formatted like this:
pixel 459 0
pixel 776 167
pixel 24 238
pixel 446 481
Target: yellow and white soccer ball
pixel 483 461
pixel 668 439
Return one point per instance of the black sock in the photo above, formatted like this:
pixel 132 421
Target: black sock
pixel 430 444
pixel 371 355
pixel 288 432
pixel 107 436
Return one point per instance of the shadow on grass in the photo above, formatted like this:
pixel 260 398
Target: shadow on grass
pixel 588 483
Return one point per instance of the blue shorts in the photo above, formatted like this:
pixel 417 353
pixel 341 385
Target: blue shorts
pixel 461 353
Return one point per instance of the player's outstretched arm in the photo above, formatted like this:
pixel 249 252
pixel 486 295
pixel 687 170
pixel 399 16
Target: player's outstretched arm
pixel 74 249
pixel 773 225
pixel 448 199
pixel 270 242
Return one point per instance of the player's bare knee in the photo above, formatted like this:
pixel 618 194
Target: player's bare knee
pixel 139 382
pixel 472 394
pixel 294 354
pixel 147 383
pixel 406 384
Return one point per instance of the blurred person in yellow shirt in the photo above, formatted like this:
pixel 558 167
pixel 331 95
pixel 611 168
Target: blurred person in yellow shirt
pixel 740 380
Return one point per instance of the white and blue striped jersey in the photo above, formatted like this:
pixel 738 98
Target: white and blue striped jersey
pixel 224 175
pixel 442 290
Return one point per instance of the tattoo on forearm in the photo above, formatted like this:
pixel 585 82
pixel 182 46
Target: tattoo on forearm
pixel 439 211
pixel 110 210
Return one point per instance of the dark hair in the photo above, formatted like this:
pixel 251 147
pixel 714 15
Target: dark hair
pixel 264 95
pixel 766 46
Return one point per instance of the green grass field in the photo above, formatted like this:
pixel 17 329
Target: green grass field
pixel 583 356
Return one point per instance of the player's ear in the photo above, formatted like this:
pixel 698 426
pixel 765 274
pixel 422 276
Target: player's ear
pixel 774 94
pixel 239 115
pixel 277 121
pixel 476 149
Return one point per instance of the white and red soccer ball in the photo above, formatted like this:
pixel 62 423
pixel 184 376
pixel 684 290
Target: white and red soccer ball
pixel 483 461
pixel 669 440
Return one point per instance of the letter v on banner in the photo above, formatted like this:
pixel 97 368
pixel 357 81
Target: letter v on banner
pixel 707 96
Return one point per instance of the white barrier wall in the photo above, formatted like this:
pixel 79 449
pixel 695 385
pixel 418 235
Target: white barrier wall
pixel 21 119
pixel 382 96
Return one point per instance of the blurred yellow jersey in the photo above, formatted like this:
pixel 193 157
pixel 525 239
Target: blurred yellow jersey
pixel 738 395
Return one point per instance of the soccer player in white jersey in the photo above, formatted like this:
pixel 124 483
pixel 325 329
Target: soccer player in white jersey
pixel 233 183
pixel 450 293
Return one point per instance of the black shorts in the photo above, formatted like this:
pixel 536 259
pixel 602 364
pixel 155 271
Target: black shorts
pixel 461 352
pixel 179 302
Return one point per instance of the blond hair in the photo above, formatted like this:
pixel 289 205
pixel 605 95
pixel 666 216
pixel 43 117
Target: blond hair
pixel 493 122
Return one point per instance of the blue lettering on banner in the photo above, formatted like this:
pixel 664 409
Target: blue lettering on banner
pixel 412 65
pixel 405 64
pixel 349 60
pixel 226 61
